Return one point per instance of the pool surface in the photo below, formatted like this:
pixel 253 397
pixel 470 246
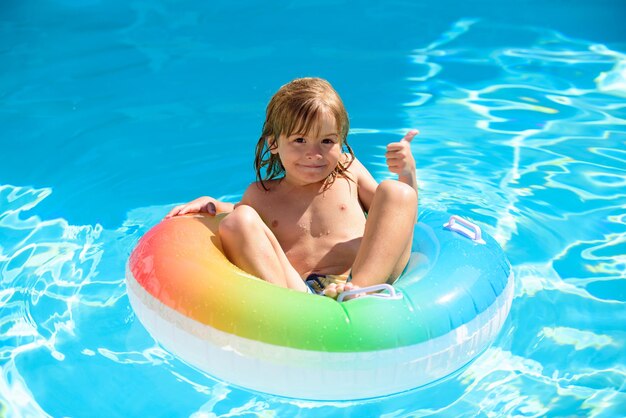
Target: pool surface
pixel 112 112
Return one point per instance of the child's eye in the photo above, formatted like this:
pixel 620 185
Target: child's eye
pixel 299 140
pixel 328 141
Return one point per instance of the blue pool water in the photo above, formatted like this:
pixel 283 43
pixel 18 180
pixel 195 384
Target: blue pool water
pixel 111 112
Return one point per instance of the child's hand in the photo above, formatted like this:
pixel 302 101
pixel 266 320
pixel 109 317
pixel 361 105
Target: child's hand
pixel 335 289
pixel 400 158
pixel 200 205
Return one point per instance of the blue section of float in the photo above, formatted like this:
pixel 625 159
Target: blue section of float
pixel 454 278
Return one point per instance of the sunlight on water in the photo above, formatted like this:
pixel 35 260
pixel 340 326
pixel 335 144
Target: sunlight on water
pixel 577 338
pixel 536 156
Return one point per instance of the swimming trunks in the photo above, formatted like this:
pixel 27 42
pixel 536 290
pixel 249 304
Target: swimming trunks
pixel 318 282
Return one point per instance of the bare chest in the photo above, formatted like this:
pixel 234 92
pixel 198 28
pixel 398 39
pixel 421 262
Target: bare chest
pixel 314 222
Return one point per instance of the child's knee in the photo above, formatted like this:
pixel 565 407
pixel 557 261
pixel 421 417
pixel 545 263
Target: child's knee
pixel 241 219
pixel 397 192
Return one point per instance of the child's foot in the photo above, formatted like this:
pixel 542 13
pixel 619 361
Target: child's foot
pixel 333 290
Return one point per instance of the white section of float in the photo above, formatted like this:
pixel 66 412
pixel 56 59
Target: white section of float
pixel 317 375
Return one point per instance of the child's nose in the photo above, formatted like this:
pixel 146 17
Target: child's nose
pixel 314 151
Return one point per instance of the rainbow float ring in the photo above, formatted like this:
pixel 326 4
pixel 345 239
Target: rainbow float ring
pixel 440 315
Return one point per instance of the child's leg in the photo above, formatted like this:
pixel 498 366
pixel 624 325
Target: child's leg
pixel 250 245
pixel 386 245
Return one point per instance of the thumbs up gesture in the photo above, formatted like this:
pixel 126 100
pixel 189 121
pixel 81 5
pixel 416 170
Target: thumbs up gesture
pixel 400 158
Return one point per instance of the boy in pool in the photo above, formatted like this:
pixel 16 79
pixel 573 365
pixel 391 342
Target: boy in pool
pixel 303 224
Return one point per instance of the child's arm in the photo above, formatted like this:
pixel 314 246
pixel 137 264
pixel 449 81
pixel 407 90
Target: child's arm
pixel 366 185
pixel 400 159
pixel 203 204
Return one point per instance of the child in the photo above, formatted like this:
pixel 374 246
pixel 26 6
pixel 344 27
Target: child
pixel 317 218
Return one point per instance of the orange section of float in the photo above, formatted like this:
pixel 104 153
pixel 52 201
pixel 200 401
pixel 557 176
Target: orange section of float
pixel 172 264
pixel 179 263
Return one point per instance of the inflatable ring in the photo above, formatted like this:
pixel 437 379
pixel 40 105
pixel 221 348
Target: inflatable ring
pixel 446 309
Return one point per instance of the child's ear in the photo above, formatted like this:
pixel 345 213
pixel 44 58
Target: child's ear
pixel 272 145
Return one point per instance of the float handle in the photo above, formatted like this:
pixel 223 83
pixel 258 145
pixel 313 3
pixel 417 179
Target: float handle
pixel 465 227
pixel 391 295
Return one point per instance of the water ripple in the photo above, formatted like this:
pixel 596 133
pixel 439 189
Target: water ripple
pixel 527 139
pixel 45 267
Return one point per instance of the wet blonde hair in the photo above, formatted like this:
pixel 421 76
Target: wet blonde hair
pixel 295 108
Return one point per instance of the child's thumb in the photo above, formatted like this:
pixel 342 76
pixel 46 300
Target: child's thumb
pixel 410 135
pixel 211 208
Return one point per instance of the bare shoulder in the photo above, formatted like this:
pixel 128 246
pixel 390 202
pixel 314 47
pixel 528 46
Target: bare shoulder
pixel 250 195
pixel 366 184
pixel 356 170
pixel 256 193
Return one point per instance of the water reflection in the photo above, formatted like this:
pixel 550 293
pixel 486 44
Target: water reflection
pixel 524 134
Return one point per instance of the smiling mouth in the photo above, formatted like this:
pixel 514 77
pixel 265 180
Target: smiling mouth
pixel 312 166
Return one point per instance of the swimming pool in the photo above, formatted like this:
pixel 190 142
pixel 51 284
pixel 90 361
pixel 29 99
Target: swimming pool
pixel 111 112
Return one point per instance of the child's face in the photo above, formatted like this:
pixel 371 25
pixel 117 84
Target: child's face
pixel 310 157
